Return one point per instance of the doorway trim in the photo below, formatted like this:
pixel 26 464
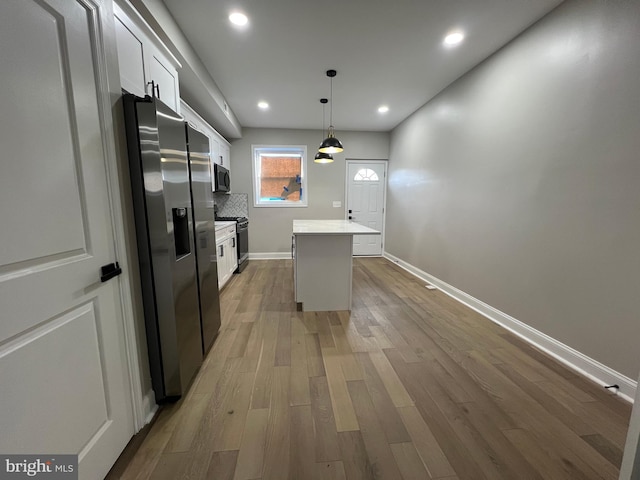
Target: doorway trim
pixel 356 161
pixel 116 159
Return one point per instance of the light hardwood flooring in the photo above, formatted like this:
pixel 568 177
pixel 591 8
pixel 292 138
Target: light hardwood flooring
pixel 410 385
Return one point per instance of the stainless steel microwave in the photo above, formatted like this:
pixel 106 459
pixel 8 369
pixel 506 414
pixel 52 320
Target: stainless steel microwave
pixel 221 179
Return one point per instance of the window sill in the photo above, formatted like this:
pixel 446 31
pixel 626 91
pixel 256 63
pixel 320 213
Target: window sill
pixel 279 205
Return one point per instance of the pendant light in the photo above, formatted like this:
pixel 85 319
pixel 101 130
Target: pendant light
pixel 320 156
pixel 331 144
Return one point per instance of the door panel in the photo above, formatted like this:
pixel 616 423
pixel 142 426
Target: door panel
pixel 373 206
pixel 61 333
pixel 51 119
pixel 365 201
pixel 71 343
pixel 355 197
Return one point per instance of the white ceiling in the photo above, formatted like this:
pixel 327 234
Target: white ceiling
pixel 385 52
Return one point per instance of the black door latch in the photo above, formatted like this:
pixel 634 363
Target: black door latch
pixel 107 272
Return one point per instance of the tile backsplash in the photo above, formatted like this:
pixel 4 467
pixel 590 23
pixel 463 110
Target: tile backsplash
pixel 232 205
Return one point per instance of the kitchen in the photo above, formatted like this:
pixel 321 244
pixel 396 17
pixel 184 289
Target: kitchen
pixel 587 205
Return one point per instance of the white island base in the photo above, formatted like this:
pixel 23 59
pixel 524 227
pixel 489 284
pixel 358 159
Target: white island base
pixel 323 263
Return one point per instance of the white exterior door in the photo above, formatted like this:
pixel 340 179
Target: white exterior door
pixel 365 203
pixel 63 371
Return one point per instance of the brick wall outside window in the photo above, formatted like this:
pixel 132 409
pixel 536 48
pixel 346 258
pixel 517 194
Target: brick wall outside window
pixel 277 173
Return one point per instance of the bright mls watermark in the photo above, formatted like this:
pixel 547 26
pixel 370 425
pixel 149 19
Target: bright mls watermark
pixel 51 467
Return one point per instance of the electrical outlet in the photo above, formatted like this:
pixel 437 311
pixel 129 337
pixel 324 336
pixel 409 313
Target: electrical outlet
pixel 337 204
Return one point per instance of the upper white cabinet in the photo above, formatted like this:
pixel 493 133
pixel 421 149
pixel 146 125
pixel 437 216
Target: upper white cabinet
pixel 219 147
pixel 130 59
pixel 223 156
pixel 165 79
pixel 147 67
pixel 215 149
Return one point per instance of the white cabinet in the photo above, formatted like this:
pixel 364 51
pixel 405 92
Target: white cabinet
pixel 165 79
pixel 219 147
pixel 219 151
pixel 192 117
pixel 147 67
pixel 294 257
pixel 215 150
pixel 223 155
pixel 130 59
pixel 227 252
pixel 322 253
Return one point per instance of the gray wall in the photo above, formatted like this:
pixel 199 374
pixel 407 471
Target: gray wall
pixel 270 228
pixel 518 184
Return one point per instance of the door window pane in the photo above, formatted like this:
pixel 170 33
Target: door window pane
pixel 366 174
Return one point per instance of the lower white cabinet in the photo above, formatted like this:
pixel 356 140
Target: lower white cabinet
pixel 227 251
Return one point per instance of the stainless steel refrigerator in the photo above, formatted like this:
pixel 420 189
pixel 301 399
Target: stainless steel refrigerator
pixel 173 208
pixel 204 233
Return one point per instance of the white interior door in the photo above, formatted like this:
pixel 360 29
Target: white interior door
pixel 63 372
pixel 365 203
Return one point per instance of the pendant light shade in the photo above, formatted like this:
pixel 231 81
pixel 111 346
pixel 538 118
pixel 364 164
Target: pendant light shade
pixel 322 157
pixel 331 144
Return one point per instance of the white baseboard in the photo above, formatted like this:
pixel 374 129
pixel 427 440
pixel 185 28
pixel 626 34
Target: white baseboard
pixel 149 406
pixel 269 255
pixel 570 357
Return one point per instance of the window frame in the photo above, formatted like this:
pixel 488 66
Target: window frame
pixel 278 150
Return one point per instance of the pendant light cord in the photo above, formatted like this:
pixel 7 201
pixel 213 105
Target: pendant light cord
pixel 331 96
pixel 323 119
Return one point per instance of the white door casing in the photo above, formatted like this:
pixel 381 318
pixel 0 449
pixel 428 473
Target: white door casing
pixel 365 203
pixel 63 361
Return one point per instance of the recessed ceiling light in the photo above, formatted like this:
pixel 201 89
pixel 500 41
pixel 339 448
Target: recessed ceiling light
pixel 263 105
pixel 238 18
pixel 453 38
pixel 383 109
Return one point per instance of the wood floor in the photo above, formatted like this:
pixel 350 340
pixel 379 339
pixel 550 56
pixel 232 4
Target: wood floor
pixel 410 385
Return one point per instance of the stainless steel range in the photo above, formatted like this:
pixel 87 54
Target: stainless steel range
pixel 242 243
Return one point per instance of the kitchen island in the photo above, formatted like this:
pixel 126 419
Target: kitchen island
pixel 322 262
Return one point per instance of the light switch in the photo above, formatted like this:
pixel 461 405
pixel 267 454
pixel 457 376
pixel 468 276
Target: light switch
pixel 337 204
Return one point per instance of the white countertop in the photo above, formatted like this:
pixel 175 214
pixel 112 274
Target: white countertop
pixel 331 227
pixel 223 224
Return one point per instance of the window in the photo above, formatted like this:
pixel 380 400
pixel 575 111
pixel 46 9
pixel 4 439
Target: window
pixel 366 174
pixel 279 176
